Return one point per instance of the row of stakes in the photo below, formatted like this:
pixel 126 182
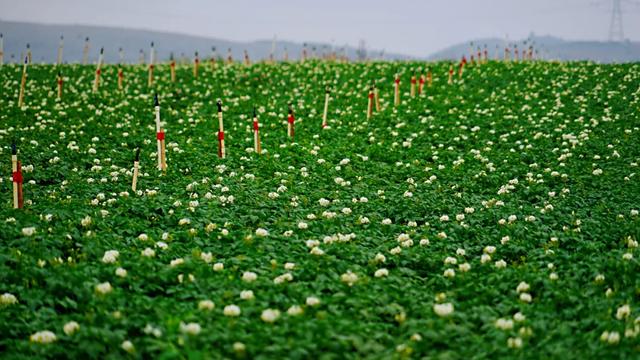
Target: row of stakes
pixel 373 101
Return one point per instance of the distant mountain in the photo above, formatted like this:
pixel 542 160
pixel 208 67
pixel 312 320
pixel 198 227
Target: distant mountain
pixel 44 40
pixel 551 48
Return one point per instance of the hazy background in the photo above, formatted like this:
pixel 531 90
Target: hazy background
pixel 411 27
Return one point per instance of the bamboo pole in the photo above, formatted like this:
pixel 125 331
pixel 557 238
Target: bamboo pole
pixel 85 51
pixel 60 82
pixel 136 162
pixel 23 82
pixel 327 95
pixel 376 96
pixel 60 50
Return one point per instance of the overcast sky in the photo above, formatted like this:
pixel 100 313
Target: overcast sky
pixel 412 27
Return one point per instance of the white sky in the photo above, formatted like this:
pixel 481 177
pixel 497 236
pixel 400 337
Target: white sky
pixel 411 27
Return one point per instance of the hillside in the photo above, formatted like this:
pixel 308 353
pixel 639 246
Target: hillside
pixel 44 40
pixel 553 48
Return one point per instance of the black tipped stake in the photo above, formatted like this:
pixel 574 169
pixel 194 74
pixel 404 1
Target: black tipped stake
pixel 254 112
pixel 155 100
pixel 137 154
pixel 14 149
pixel 219 103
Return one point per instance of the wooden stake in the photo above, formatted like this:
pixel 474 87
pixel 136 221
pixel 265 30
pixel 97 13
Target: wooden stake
pixel 396 92
pixel 29 57
pixel 222 153
pixel 16 169
pixel 327 94
pixel 162 163
pixel 247 62
pixel 450 74
pixel 60 82
pixel 172 65
pixel 85 51
pixel 152 55
pixel 229 56
pixel 429 78
pixel 421 84
pixel 1 49
pixel 96 82
pixel 214 57
pixel 290 122
pixel 120 77
pixel 376 96
pixel 23 83
pixel 256 133
pixel 370 102
pixel 60 49
pixel 196 65
pixel 134 182
pixel 413 86
pixel 461 66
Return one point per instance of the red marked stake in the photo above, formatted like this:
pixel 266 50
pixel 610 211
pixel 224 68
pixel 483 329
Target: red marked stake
pixel 196 65
pixel 256 133
pixel 327 95
pixel 222 153
pixel 152 56
pixel 96 82
pixel 172 66
pixel 120 77
pixel 396 91
pixel 463 62
pixel 370 102
pixel 290 122
pixel 162 161
pixel 16 172
pixel 1 49
pixel 421 84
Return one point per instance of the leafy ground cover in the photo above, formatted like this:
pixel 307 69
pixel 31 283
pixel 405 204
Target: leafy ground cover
pixel 493 217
